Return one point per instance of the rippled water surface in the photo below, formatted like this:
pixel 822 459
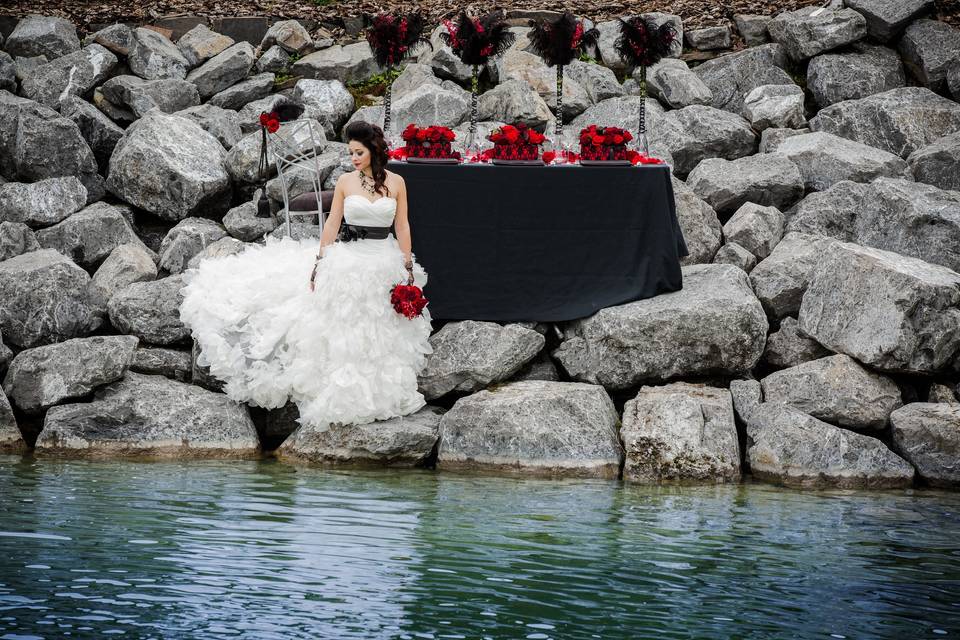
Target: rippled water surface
pixel 265 550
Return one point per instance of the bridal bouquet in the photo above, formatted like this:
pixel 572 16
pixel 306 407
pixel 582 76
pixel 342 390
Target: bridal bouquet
pixel 408 300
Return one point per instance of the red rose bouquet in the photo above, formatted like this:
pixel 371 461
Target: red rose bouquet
pixel 516 142
pixel 270 121
pixel 408 300
pixel 604 143
pixel 428 142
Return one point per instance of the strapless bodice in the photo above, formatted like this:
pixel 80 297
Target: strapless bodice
pixel 358 209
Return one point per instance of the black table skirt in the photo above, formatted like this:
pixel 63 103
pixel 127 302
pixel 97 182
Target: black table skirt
pixel 547 243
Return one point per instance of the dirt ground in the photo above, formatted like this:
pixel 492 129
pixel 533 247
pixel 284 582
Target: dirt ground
pixel 331 13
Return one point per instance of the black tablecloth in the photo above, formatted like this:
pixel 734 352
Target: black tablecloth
pixel 546 243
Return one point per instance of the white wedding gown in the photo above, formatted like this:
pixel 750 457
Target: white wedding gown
pixel 341 352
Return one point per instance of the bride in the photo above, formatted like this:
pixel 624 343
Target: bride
pixel 291 320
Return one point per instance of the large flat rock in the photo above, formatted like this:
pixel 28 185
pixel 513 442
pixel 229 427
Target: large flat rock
pixel 714 325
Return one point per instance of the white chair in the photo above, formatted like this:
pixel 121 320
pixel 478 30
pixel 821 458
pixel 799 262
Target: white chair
pixel 294 149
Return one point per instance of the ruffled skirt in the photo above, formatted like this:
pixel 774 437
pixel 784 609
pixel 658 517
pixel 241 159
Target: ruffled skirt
pixel 340 352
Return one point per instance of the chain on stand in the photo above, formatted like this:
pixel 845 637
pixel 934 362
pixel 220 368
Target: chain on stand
pixel 643 101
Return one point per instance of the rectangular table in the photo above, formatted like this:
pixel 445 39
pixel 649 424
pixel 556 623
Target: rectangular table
pixel 543 243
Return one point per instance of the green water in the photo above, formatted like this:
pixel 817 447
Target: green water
pixel 265 550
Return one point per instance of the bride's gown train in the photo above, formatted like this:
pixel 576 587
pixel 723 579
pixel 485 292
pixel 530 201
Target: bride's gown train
pixel 341 352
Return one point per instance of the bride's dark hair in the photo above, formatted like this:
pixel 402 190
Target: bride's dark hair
pixel 371 136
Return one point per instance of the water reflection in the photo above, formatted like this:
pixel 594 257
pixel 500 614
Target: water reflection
pixel 265 550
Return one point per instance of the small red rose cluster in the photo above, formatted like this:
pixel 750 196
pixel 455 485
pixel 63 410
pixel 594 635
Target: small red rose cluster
pixel 408 300
pixel 604 136
pixel 515 142
pixel 270 120
pixel 636 158
pixel 428 142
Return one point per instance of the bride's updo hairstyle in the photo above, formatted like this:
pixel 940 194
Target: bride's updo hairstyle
pixel 371 136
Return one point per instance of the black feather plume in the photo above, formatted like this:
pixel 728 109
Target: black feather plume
pixel 561 40
pixel 288 110
pixel 394 37
pixel 476 40
pixel 642 43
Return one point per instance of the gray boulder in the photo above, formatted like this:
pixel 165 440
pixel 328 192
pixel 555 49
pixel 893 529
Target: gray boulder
pixel 150 310
pixel 747 396
pixel 531 69
pixel 243 93
pixel 172 363
pixel 938 162
pixel 775 105
pixel 928 435
pixel 468 356
pixel 599 82
pixel 698 132
pixel 731 77
pixel 226 246
pixel 242 223
pixel 42 36
pixel 942 393
pixel 789 447
pixel 222 124
pixel 811 30
pixel 781 279
pixel 41 203
pixel 45 376
pixel 8 72
pixel 90 235
pixel 10 439
pixel 117 38
pixel 953 81
pixel 200 44
pixel 825 159
pixel 886 19
pixel 150 416
pixel 223 70
pixel 771 138
pixel 899 121
pixel 767 179
pixel 405 441
pixel 752 28
pixel 699 224
pixel 100 132
pixel 349 64
pixel 533 427
pixel 126 264
pixel 835 77
pixel 888 311
pixel 161 150
pixel 732 253
pixel 787 347
pixel 413 75
pixel 28 131
pixel 46 298
pixel 16 239
pixel 327 101
pixel 289 35
pixel 273 60
pixel 929 49
pixel 514 101
pixel 708 38
pixel 680 432
pixel 75 74
pixel 756 228
pixel 153 56
pixel 188 238
pixel 676 86
pixel 714 325
pixel 906 217
pixel 427 104
pixel 835 389
pixel 140 96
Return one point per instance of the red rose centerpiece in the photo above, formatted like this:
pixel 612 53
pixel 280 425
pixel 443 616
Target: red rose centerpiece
pixel 428 142
pixel 516 142
pixel 408 300
pixel 604 143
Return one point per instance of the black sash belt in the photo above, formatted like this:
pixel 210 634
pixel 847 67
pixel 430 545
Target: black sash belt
pixel 349 232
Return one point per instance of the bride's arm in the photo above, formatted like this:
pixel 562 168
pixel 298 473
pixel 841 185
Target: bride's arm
pixel 401 225
pixel 331 227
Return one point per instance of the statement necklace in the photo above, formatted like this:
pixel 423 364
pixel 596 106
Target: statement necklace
pixel 368 184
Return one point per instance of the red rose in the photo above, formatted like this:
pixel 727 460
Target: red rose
pixel 536 137
pixel 264 118
pixel 617 139
pixel 511 134
pixel 273 125
pixel 449 135
pixel 597 140
pixel 549 156
pixel 627 136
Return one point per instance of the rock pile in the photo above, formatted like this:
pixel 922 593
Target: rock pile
pixel 816 341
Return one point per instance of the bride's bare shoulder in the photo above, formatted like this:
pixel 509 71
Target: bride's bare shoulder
pixel 395 182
